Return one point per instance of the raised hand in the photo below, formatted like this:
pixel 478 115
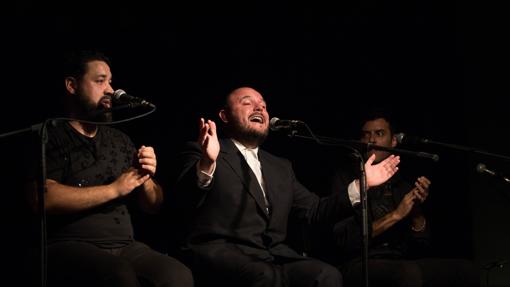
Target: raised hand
pixel 381 172
pixel 208 140
pixel 147 160
pixel 421 189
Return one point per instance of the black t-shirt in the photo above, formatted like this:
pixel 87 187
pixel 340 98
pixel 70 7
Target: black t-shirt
pixel 382 200
pixel 399 240
pixel 76 160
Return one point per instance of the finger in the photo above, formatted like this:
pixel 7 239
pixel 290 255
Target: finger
pixel 420 193
pixel 423 179
pixel 203 133
pixel 147 161
pixel 419 196
pixel 394 163
pixel 201 124
pixel 147 154
pixel 149 168
pixel 391 165
pixel 143 179
pixel 390 161
pixel 423 193
pixel 425 189
pixel 371 159
pixel 395 160
pixel 212 130
pixel 420 188
pixel 205 128
pixel 425 183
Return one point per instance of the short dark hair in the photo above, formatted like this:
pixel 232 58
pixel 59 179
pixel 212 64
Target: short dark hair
pixel 75 62
pixel 228 95
pixel 379 112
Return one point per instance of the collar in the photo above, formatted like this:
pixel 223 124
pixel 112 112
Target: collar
pixel 242 148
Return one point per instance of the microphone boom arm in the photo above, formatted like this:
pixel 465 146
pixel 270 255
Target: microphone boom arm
pixel 367 146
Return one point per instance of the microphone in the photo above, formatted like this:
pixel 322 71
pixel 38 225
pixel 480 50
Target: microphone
pixel 481 168
pixel 403 138
pixel 276 124
pixel 400 137
pixel 121 96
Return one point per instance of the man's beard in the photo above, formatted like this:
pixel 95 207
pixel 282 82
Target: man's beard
pixel 247 135
pixel 94 112
pixel 102 115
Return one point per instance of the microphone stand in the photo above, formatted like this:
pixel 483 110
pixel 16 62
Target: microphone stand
pixel 355 147
pixel 41 129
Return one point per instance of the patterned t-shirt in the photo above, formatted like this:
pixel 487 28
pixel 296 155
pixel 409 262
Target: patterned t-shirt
pixel 76 160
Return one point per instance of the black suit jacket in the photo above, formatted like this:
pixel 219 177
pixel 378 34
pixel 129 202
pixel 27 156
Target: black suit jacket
pixel 229 222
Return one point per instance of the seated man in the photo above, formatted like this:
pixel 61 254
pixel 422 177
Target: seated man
pixel 241 198
pixel 95 177
pixel 398 228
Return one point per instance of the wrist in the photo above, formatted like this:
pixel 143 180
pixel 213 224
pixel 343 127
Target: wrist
pixel 147 184
pixel 396 216
pixel 113 190
pixel 206 165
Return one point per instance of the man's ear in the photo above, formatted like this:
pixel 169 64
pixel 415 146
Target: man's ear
pixel 223 116
pixel 394 141
pixel 71 85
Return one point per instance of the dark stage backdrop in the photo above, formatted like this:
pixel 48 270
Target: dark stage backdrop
pixel 441 65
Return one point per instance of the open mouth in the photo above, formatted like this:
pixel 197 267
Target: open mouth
pixel 256 119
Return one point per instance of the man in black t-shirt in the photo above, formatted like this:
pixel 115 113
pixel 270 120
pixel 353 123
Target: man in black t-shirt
pixel 94 173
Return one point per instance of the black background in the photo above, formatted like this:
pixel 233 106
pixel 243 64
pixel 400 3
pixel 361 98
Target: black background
pixel 442 66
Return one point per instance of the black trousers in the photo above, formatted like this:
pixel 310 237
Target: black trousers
pixel 73 263
pixel 413 273
pixel 253 272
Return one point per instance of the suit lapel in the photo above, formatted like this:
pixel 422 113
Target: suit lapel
pixel 233 158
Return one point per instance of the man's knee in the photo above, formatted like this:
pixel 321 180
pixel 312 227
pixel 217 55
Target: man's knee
pixel 329 276
pixel 408 274
pixel 178 275
pixel 120 274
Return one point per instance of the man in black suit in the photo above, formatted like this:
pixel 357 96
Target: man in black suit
pixel 242 198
